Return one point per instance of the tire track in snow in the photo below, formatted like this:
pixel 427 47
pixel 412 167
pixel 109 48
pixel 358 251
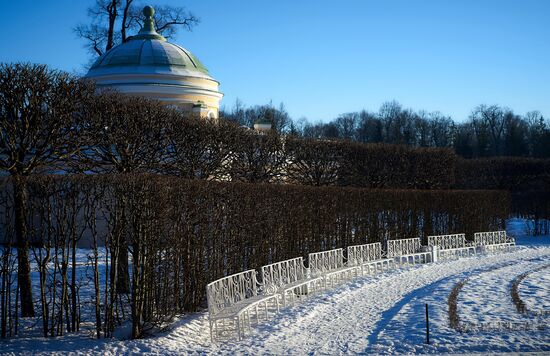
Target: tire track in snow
pixel 487 302
pixel 412 285
pixel 389 314
pixel 404 331
pixel 516 298
pixel 454 317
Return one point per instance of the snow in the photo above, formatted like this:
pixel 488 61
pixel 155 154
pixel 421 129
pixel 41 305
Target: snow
pixel 534 291
pixel 382 314
pixel 519 228
pixel 486 300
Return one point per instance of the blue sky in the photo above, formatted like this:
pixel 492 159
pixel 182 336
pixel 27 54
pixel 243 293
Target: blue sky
pixel 322 58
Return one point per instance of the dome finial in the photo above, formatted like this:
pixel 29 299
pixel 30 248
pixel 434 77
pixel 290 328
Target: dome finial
pixel 149 24
pixel 148 11
pixel 148 31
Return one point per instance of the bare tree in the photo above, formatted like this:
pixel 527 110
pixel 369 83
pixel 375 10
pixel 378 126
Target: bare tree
pixel 112 20
pixel 347 125
pixel 311 130
pixel 38 128
pixel 491 118
pixel 537 133
pixel 369 128
pixel 441 130
pixel 278 117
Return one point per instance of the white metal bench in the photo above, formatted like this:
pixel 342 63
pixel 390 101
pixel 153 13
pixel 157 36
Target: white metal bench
pixel 452 246
pixel 447 242
pixel 454 253
pixel 330 265
pixel 369 258
pixel 290 280
pixel 408 251
pixel 494 241
pixel 235 303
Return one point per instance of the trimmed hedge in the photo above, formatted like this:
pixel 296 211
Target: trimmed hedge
pixel 198 231
pixel 508 173
pixel 344 163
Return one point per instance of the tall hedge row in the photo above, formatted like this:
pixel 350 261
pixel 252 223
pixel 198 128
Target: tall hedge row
pixel 342 163
pixel 507 173
pixel 185 233
pixel 535 206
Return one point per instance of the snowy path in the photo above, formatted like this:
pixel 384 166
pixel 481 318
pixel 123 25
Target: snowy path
pixel 384 314
pixel 405 333
pixel 365 315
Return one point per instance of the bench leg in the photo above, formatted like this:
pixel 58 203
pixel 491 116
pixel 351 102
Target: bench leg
pixel 239 336
pixel 212 339
pixel 285 304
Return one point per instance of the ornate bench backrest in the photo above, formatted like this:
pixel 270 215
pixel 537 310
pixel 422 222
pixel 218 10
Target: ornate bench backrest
pixel 490 238
pixel 447 242
pixel 360 254
pixel 230 290
pixel 277 275
pixel 403 247
pixel 326 261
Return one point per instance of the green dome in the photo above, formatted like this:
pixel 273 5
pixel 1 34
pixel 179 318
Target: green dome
pixel 148 48
pixel 146 65
pixel 149 52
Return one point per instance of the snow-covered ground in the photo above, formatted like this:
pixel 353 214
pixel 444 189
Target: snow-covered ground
pixel 519 228
pixel 383 314
pixel 534 291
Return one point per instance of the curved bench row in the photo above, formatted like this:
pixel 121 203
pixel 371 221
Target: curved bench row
pixel 238 301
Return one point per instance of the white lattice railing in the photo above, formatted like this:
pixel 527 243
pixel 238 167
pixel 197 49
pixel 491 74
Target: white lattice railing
pixel 403 247
pixel 277 275
pixel 230 290
pixel 447 242
pixel 507 246
pixel 288 280
pixel 490 238
pixel 326 261
pixel 414 258
pixel 360 254
pixel 450 253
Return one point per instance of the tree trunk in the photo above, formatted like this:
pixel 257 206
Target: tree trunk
pixel 122 282
pixel 119 260
pixel 125 20
pixel 5 292
pixel 74 318
pixel 23 269
pixel 136 290
pixel 97 287
pixel 112 11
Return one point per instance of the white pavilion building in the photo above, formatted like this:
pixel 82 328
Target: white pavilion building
pixel 147 65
